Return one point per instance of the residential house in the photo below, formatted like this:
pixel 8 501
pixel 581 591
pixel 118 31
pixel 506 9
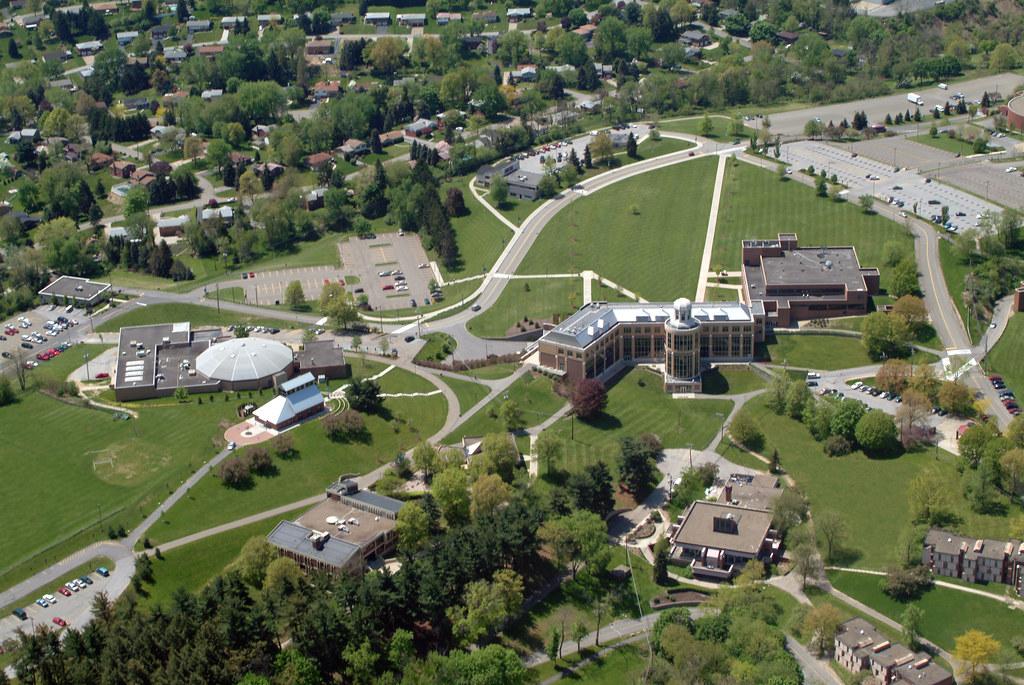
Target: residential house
pixel 859 646
pixel 391 137
pixel 268 170
pixel 314 199
pixel 122 168
pixel 411 19
pixel 342 18
pixel 319 160
pixel 106 8
pixel 232 23
pixel 975 560
pixel 64 84
pixel 324 90
pixel 159 32
pixel 377 18
pixel 29 134
pixel 56 56
pixel 586 31
pixel 88 47
pixel 125 38
pixel 194 26
pixel 787 37
pixel 517 14
pixel 99 160
pixel 354 147
pixel 717 539
pixel 265 20
pixel 487 41
pixel 419 128
pixel 224 215
pixel 161 168
pixel 210 52
pixel 525 73
pixel 320 46
pixel 143 177
pixel 135 103
pixel 695 38
pixel 30 21
pixel 175 55
pixel 486 17
pixel 240 160
pixel 171 227
pixel 445 18
pixel 211 94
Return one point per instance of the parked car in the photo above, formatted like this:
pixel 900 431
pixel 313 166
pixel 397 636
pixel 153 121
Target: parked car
pixel 86 580
pixel 59 621
pixel 102 570
pixel 20 613
pixel 64 591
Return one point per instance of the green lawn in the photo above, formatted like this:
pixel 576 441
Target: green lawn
pixel 755 204
pixel 955 271
pixel 828 352
pixel 319 460
pixel 197 315
pixel 713 294
pixel 945 143
pixel 731 380
pixel 439 347
pixel 625 664
pixel 98 471
pixel 526 300
pixel 870 493
pixel 535 398
pixel 479 235
pixel 493 372
pixel 693 125
pixel 468 392
pixel 947 613
pixel 601 232
pixel 636 405
pixel 193 566
pixel 926 337
pixel 1007 357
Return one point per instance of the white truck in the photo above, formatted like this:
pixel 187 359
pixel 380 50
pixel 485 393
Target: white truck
pixel 915 98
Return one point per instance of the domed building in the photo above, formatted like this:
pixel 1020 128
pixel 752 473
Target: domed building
pixel 245 363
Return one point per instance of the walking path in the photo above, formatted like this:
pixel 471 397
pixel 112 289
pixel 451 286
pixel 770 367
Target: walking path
pixel 1014 603
pixel 709 237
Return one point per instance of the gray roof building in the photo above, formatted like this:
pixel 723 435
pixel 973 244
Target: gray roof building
pixel 313 549
pixel 244 359
pixel 81 291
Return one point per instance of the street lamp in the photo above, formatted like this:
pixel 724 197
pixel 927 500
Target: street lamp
pixel 85 356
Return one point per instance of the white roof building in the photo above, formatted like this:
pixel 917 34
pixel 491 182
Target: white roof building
pixel 244 359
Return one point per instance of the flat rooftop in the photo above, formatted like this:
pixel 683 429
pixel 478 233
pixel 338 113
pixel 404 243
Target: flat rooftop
pixel 698 530
pixel 753 492
pixel 596 319
pixel 295 538
pixel 814 265
pixel 73 287
pixel 164 347
pixel 368 528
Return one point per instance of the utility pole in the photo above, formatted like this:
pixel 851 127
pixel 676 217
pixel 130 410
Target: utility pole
pixel 218 299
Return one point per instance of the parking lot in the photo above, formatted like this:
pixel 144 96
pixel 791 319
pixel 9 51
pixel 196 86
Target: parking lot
pixel 267 287
pixel 11 348
pixel 900 151
pixel 386 253
pixel 990 181
pixel 865 176
pixel 534 163
pixel 74 610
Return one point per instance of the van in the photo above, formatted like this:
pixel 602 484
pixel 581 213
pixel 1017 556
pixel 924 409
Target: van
pixel 20 613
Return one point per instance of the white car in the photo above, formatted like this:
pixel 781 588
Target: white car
pixel 231 446
pixel 71 586
pixel 423 266
pixel 1011 169
pixel 943 86
pixel 50 599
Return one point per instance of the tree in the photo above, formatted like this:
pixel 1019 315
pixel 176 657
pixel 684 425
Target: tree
pixel 549 448
pixel 833 529
pixel 294 297
pixel 601 147
pixel 876 433
pixel 913 310
pixel 7 394
pixel 578 538
pixel 911 620
pixel 486 606
pixel 822 623
pixel 454 204
pixel 631 146
pixel 413 527
pixel 906 583
pixel 806 562
pixel 746 432
pixel 336 304
pixel 636 464
pixel 975 649
pixel 591 489
pixel 249 185
pixel 789 510
pixel 234 472
pixel 511 415
pixel 589 398
pixel 904 278
pixel 343 425
pixel 929 498
pixel 364 396
pixel 425 459
pixel 955 398
pixel 884 336
pixel 499 455
pixel 867 204
pixel 181 394
pixel 1015 431
pixel 1011 464
pixel 579 631
pixel 488 493
pixel 499 191
pixel 450 489
pixel 253 560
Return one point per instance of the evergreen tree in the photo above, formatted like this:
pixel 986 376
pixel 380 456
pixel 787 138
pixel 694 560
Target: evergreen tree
pixel 375 145
pixel 12 46
pixel 588 161
pixel 631 146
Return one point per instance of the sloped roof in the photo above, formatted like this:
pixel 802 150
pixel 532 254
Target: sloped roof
pixel 242 359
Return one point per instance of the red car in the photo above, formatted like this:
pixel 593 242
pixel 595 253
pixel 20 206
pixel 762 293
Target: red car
pixel 102 374
pixel 388 287
pixel 59 621
pixel 995 377
pixel 64 591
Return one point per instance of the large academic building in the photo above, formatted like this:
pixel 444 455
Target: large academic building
pixel 782 285
pixel 685 338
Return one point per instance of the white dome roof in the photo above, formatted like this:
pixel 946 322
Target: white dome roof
pixel 243 359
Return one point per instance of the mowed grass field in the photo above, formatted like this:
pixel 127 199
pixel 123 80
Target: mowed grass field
pixel 636 405
pixel 1007 357
pixel 479 234
pixel 870 493
pixel 194 565
pixel 545 300
pixel 756 204
pixel 947 613
pixel 70 472
pixel 535 398
pixel 198 315
pixel 407 421
pixel 468 392
pixel 655 252
pixel 955 272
